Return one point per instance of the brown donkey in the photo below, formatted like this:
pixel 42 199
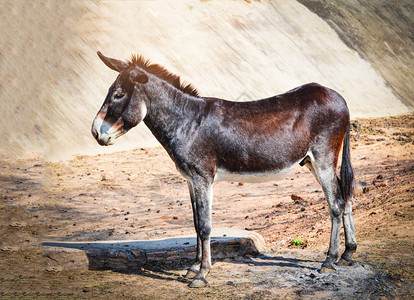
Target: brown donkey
pixel 212 139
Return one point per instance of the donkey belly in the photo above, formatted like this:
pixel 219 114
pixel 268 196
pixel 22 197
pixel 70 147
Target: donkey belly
pixel 254 177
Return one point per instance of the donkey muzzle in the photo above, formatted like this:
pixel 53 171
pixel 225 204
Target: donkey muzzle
pixel 104 133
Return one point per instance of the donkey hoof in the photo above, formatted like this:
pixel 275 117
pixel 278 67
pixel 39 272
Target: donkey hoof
pixel 327 270
pixel 198 283
pixel 345 262
pixel 190 274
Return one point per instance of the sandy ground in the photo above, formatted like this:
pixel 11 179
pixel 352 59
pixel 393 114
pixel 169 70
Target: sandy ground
pixel 138 194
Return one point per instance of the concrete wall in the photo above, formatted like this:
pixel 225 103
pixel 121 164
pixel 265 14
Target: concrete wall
pixel 52 83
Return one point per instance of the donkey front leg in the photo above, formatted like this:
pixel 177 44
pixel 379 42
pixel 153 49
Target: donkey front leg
pixel 195 268
pixel 203 194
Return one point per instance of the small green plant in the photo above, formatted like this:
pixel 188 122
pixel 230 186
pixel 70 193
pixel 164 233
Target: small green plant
pixel 297 242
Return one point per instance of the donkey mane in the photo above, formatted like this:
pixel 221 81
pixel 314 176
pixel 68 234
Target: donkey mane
pixel 162 73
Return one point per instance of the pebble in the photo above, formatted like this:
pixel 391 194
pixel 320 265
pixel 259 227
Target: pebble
pixel 17 224
pixel 398 213
pixel 9 248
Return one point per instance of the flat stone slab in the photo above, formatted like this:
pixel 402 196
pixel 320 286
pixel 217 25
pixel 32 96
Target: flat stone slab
pixel 132 254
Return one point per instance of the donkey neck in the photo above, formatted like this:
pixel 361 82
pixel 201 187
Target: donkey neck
pixel 172 113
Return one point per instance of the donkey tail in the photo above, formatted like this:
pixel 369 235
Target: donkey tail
pixel 346 173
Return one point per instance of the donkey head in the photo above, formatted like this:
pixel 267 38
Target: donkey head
pixel 124 106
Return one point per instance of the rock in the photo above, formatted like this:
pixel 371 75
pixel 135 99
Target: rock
pixel 66 259
pixel 360 187
pixel 295 197
pixel 54 268
pixel 356 124
pixel 283 243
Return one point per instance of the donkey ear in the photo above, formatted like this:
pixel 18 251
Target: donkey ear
pixel 141 78
pixel 114 64
pixel 138 77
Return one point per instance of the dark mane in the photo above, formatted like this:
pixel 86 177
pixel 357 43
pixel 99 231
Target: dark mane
pixel 161 72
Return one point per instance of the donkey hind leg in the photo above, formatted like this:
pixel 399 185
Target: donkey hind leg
pixel 195 268
pixel 327 178
pixel 350 237
pixel 203 195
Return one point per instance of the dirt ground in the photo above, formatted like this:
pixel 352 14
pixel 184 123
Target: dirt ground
pixel 138 194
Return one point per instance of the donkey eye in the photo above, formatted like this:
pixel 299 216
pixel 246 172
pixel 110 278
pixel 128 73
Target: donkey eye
pixel 118 96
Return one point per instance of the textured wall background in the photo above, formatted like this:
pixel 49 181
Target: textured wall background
pixel 52 83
